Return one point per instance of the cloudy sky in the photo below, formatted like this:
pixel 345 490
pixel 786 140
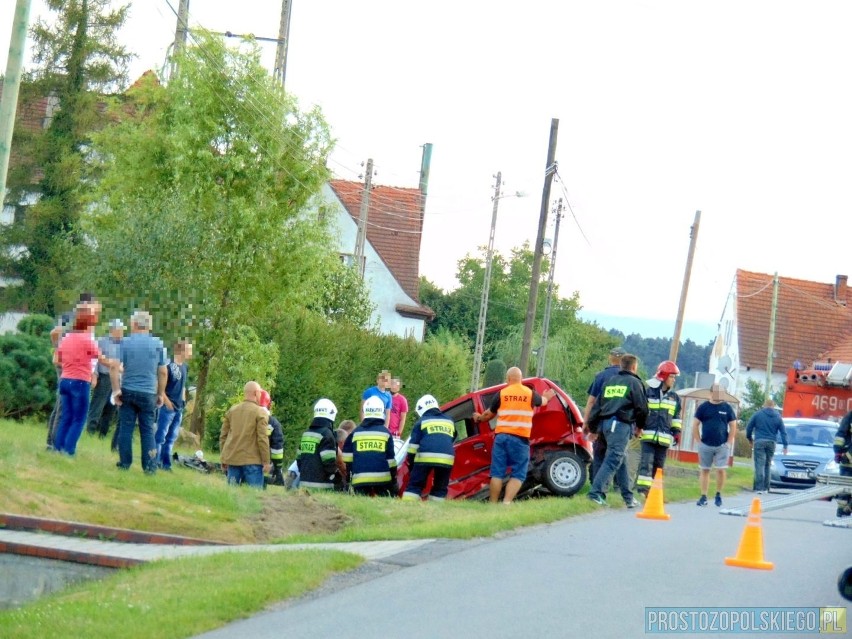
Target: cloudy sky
pixel 740 109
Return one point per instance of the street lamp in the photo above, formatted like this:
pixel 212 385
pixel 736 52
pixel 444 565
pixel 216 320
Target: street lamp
pixel 486 285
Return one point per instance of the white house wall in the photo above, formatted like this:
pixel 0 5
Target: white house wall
pixel 385 292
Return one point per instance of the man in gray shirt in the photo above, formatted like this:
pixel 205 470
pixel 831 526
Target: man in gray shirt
pixel 139 390
pixel 101 410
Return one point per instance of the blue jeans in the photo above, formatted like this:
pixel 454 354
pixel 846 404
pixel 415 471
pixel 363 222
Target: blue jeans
pixel 764 450
pixel 168 429
pixel 251 474
pixel 74 401
pixel 135 407
pixel 617 434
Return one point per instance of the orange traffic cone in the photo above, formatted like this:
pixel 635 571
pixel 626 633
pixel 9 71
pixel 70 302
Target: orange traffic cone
pixel 654 503
pixel 750 552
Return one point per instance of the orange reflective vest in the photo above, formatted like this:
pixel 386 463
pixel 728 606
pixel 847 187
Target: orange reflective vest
pixel 516 411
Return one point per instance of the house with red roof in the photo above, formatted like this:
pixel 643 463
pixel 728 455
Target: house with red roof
pixel 391 250
pixel 812 323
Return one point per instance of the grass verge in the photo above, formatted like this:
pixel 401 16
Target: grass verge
pixel 176 598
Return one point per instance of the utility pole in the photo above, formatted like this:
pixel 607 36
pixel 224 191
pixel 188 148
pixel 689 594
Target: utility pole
pixel 361 238
pixel 770 348
pixel 11 84
pixel 280 70
pixel 545 327
pixel 549 170
pixel 693 238
pixel 486 286
pixel 182 28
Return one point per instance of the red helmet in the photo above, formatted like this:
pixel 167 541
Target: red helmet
pixel 265 398
pixel 667 368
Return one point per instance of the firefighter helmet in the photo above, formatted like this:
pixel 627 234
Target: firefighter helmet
pixel 265 399
pixel 427 402
pixel 325 408
pixel 374 408
pixel 667 368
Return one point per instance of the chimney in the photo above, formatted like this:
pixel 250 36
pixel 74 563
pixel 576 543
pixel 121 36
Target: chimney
pixel 840 289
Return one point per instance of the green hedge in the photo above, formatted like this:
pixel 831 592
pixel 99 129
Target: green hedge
pixel 337 361
pixel 27 375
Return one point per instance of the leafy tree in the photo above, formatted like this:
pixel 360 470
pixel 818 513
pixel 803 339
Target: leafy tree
pixel 197 210
pixel 27 375
pixel 79 61
pixel 691 357
pixel 495 372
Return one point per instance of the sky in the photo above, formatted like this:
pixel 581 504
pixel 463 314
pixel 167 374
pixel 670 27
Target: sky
pixel 742 110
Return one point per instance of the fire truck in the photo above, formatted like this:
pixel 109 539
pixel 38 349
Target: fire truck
pixel 823 391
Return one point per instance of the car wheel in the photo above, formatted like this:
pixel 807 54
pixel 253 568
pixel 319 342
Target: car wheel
pixel 564 473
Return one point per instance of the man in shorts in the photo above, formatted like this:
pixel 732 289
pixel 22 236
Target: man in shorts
pixel 513 406
pixel 715 427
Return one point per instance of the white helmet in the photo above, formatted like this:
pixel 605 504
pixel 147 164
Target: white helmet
pixel 425 403
pixel 374 408
pixel 325 408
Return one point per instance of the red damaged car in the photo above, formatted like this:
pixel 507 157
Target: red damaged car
pixel 559 454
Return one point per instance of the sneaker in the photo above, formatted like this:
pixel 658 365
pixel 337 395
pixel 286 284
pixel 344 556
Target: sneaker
pixel 597 499
pixel 718 500
pixel 702 501
pixel 759 492
pixel 633 503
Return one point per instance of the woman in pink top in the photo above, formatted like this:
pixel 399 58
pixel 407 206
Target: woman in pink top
pixel 76 354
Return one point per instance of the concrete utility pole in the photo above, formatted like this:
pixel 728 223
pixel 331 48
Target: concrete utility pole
pixel 770 348
pixel 486 287
pixel 549 170
pixel 280 71
pixel 11 85
pixel 361 237
pixel 693 238
pixel 182 28
pixel 545 325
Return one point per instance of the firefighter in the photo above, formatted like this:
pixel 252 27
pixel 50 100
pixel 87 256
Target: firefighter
pixel 843 456
pixel 662 428
pixel 317 456
pixel 276 441
pixel 430 451
pixel 369 453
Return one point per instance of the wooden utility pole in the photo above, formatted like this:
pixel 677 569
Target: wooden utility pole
pixel 545 324
pixel 280 70
pixel 549 170
pixel 11 85
pixel 693 238
pixel 361 237
pixel 770 347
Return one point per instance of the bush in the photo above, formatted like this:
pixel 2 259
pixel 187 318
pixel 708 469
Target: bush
pixel 337 361
pixel 244 358
pixel 495 373
pixel 27 375
pixel 36 325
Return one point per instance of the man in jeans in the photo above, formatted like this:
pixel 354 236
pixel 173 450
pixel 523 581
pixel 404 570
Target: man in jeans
pixel 762 431
pixel 139 390
pixel 244 440
pixel 171 412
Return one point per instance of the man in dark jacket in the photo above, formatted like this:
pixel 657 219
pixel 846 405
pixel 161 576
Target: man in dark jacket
pixel 620 409
pixel 430 451
pixel 369 453
pixel 317 457
pixel 662 428
pixel 276 440
pixel 843 456
pixel 762 431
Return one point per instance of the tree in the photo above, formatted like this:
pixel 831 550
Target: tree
pixel 197 212
pixel 79 61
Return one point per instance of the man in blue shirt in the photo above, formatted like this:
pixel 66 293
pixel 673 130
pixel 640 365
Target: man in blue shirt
pixel 139 390
pixel 714 427
pixel 101 411
pixel 762 430
pixel 382 391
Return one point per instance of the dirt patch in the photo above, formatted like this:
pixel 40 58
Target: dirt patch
pixel 295 513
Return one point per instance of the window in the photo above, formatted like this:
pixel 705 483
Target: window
pixel 462 416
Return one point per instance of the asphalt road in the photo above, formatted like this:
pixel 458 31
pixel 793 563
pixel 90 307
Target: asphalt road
pixel 591 577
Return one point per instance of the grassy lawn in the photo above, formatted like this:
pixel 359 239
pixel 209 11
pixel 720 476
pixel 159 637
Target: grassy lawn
pixel 190 596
